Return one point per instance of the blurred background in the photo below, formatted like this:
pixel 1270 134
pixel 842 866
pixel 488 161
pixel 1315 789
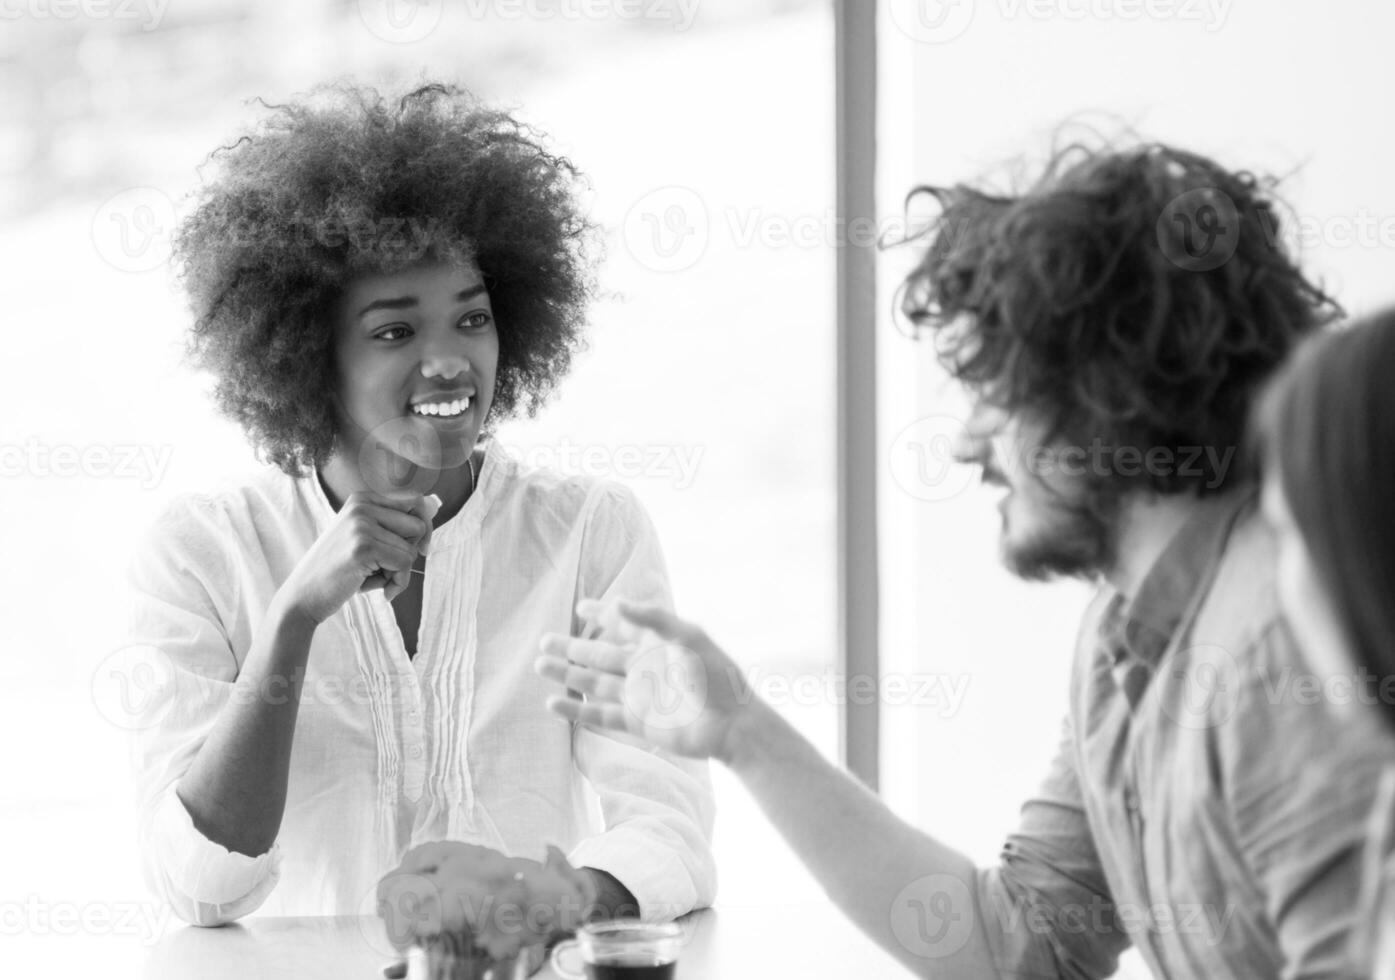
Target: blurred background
pixel 706 128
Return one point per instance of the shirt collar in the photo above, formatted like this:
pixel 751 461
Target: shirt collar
pixel 1143 625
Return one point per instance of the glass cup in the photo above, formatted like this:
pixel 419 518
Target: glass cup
pixel 623 949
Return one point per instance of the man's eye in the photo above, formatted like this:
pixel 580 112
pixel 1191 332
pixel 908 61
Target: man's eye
pixel 477 320
pixel 395 332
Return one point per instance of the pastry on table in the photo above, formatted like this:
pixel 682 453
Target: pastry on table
pixel 476 914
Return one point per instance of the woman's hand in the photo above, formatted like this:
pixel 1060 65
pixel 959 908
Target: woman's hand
pixel 662 679
pixel 466 900
pixel 373 543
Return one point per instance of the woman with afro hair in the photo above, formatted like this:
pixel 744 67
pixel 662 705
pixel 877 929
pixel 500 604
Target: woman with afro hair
pixel 349 636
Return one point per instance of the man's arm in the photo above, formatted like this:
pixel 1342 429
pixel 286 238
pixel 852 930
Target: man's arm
pixel 913 895
pixel 919 899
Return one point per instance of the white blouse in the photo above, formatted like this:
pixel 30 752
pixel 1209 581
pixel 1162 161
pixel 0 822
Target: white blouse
pixel 390 752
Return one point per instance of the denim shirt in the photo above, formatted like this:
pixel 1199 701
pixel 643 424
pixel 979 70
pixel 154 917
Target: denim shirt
pixel 1205 804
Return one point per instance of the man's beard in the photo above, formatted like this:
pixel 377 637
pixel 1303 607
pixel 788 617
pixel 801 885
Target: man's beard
pixel 1076 539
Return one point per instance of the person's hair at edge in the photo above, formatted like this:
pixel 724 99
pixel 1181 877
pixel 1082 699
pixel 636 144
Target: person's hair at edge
pixel 1324 428
pixel 344 182
pixel 1062 303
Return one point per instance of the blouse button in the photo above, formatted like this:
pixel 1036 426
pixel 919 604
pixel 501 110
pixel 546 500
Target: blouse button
pixel 415 752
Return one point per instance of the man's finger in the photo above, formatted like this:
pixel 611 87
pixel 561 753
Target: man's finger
pixel 596 654
pixel 608 717
pixel 593 683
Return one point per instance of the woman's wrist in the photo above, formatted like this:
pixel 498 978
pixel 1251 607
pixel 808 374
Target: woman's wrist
pixel 287 614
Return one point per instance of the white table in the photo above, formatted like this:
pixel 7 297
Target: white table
pixel 807 942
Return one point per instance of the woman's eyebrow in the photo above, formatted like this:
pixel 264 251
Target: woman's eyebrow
pixel 407 302
pixel 400 303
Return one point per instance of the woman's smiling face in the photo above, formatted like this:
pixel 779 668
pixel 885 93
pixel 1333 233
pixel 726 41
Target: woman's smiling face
pixel 415 355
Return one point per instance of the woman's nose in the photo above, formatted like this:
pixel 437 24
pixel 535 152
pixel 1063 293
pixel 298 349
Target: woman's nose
pixel 444 360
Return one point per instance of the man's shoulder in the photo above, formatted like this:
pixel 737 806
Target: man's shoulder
pixel 1240 610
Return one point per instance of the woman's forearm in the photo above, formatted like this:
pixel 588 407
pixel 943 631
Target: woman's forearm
pixel 235 790
pixel 896 883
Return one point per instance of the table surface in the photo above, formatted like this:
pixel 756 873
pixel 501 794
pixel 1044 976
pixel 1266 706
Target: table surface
pixel 804 941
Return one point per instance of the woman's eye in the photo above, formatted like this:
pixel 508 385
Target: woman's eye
pixel 477 320
pixel 395 332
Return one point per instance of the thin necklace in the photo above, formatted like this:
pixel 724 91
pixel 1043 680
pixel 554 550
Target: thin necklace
pixel 470 461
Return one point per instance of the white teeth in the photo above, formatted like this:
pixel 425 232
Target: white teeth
pixel 442 409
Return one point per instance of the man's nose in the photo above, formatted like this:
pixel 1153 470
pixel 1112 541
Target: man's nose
pixel 972 442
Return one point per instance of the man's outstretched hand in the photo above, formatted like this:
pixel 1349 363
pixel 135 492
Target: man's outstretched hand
pixel 654 676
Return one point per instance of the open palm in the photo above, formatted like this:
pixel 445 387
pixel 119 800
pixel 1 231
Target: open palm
pixel 655 676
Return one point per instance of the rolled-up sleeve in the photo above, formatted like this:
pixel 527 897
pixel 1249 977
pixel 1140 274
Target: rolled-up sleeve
pixel 657 808
pixel 180 593
pixel 1046 907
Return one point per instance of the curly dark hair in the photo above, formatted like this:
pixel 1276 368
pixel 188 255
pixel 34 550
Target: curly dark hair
pixel 1134 297
pixel 342 183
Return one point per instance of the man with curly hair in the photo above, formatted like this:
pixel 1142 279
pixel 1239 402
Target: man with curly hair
pixel 1111 325
pixel 375 285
